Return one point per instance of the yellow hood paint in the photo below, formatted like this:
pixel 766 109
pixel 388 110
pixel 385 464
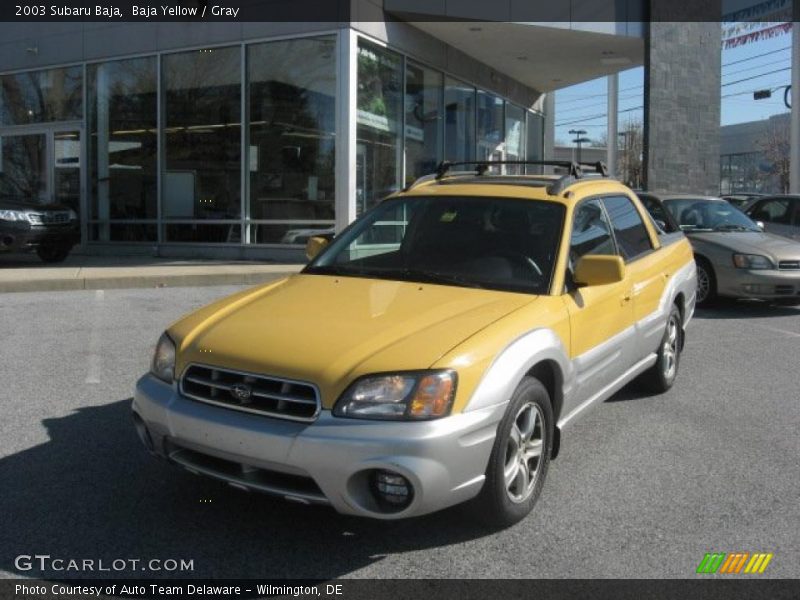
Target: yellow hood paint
pixel 330 330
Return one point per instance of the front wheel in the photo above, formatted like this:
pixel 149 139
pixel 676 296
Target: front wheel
pixel 660 377
pixel 53 253
pixel 520 457
pixel 706 283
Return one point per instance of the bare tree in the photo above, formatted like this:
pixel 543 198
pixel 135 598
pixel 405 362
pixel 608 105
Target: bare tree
pixel 775 146
pixel 631 146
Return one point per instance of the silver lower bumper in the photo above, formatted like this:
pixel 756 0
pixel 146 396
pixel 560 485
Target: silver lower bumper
pixel 328 461
pixel 758 284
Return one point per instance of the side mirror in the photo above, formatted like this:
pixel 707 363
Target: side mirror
pixel 600 269
pixel 314 246
pixel 761 225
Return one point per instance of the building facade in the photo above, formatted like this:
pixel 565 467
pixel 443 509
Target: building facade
pixel 242 140
pixel 754 156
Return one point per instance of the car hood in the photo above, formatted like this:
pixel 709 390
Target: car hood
pixel 8 204
pixel 751 242
pixel 330 330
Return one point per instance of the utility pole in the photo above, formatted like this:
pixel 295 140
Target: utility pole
pixel 794 134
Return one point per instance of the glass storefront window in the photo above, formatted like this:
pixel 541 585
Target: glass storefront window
pixel 490 127
pixel 227 233
pixel 122 143
pixel 515 137
pixel 23 169
pixel 459 120
pixel 379 115
pixel 292 95
pixel 423 120
pixel 41 96
pixel 202 141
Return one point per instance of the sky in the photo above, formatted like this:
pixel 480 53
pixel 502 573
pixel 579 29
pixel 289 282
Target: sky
pixel 583 106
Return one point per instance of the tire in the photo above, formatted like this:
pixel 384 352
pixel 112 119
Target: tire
pixel 529 417
pixel 786 302
pixel 53 253
pixel 706 283
pixel 660 377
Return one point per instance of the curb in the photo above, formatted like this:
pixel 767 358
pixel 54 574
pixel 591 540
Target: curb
pixel 59 284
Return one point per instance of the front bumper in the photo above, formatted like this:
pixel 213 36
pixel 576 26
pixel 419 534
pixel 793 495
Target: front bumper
pixel 762 284
pixel 21 237
pixel 328 461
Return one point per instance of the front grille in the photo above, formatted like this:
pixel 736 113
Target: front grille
pixel 786 290
pixel 249 392
pixel 48 218
pixel 293 487
pixel 792 265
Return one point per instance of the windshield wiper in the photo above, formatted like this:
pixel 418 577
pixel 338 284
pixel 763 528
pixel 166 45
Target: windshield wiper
pixel 732 227
pixel 437 277
pixel 333 270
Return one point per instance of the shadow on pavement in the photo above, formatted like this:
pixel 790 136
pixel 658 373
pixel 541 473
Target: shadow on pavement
pixel 93 492
pixel 733 309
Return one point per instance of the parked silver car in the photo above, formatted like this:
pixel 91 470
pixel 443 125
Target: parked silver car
pixel 780 214
pixel 734 256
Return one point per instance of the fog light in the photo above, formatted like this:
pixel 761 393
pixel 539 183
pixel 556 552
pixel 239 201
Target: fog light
pixel 392 490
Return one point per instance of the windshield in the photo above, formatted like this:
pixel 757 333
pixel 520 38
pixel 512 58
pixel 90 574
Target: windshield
pixel 693 214
pixel 493 243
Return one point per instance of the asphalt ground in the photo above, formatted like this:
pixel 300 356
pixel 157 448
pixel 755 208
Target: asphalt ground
pixel 643 486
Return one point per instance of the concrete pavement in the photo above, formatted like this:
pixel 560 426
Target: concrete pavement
pixel 643 487
pixel 27 273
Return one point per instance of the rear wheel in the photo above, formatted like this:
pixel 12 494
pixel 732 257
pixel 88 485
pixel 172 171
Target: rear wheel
pixel 706 283
pixel 53 253
pixel 520 457
pixel 660 377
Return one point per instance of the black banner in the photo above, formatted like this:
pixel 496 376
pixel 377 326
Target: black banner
pixel 417 589
pixel 343 11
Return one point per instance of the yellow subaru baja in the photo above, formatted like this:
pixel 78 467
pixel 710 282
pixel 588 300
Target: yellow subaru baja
pixel 432 352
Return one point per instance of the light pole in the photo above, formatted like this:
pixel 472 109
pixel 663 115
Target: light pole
pixel 579 140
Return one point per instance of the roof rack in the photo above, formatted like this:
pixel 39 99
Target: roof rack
pixel 574 170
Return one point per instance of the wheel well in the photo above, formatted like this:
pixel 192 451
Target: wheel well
pixel 680 302
pixel 700 257
pixel 549 374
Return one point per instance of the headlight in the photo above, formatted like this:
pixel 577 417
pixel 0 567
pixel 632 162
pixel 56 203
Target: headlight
pixel 402 396
pixel 751 261
pixel 13 215
pixel 163 365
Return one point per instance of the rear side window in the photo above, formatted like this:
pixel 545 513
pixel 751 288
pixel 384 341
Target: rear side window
pixel 632 237
pixel 773 211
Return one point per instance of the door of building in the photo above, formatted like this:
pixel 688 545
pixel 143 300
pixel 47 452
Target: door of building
pixel 42 165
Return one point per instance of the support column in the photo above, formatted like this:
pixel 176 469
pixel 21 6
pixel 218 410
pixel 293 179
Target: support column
pixel 346 91
pixel 103 140
pixel 549 125
pixel 794 141
pixel 611 132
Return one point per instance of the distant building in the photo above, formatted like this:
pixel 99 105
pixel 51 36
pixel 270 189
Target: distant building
pixel 744 164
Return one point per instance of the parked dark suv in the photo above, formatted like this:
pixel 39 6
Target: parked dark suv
pixel 51 230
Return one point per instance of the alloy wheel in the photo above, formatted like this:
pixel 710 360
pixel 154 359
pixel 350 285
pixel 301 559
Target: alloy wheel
pixel 671 348
pixel 703 284
pixel 524 452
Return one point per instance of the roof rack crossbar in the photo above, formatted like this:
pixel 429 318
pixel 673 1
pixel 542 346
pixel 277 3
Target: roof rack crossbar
pixel 575 170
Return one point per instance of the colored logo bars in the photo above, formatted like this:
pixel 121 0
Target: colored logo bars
pixel 734 563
